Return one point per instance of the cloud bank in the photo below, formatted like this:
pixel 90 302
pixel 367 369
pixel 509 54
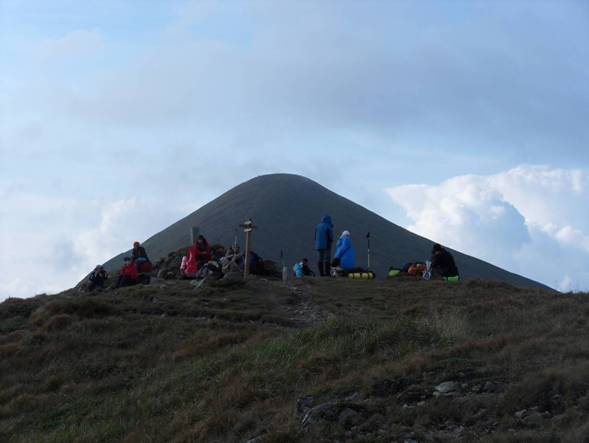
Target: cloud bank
pixel 532 220
pixel 49 244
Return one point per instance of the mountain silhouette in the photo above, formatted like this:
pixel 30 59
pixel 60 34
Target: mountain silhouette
pixel 286 208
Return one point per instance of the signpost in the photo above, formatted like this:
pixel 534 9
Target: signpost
pixel 248 227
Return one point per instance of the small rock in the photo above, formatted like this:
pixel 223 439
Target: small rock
pixel 520 414
pixel 386 387
pixel 414 394
pixel 373 424
pixel 348 418
pixel 535 419
pixel 559 421
pixel 447 387
pixel 489 387
pixel 305 403
pixel 355 396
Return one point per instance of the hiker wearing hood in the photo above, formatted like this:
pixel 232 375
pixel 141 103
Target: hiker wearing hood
pixel 198 255
pixel 442 262
pixel 323 241
pixel 345 252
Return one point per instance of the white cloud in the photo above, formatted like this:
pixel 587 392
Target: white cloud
pixel 533 220
pixel 81 42
pixel 113 232
pixel 49 244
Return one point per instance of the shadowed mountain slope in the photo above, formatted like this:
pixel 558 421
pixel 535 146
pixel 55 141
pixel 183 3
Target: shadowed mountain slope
pixel 286 208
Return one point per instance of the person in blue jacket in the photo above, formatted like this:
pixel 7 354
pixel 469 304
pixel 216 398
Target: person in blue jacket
pixel 345 252
pixel 323 241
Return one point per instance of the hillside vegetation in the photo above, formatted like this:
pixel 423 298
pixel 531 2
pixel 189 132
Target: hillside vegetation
pixel 329 360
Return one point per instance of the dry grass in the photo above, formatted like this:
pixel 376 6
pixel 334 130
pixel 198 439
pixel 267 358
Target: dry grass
pixel 166 363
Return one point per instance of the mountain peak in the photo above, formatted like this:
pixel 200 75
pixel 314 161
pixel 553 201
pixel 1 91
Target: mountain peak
pixel 286 208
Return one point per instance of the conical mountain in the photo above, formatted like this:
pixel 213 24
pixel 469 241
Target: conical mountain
pixel 286 208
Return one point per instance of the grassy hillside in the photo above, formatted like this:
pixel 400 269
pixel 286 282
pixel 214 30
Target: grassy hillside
pixel 331 360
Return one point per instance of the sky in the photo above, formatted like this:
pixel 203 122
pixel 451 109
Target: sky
pixel 463 121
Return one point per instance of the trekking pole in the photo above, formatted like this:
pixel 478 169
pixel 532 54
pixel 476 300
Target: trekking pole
pixel 284 270
pixel 368 241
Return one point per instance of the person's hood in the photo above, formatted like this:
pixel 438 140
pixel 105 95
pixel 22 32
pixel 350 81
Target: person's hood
pixel 327 220
pixel 345 234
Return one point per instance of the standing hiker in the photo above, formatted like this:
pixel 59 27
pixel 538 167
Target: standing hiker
pixel 442 262
pixel 323 241
pixel 345 254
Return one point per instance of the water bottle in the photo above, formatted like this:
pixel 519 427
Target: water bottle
pixel 284 273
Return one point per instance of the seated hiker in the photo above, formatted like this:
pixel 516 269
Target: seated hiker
pixel 442 263
pixel 302 269
pixel 218 252
pixel 345 254
pixel 97 278
pixel 128 275
pixel 306 269
pixel 232 262
pixel 232 257
pixel 198 255
pixel 256 264
pixel 140 258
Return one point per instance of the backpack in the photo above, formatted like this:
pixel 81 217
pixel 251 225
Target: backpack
pixel 417 269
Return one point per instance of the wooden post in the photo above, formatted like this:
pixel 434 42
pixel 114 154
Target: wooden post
pixel 248 227
pixel 193 234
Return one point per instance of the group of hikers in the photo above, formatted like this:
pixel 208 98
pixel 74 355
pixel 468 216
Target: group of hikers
pixel 440 265
pixel 202 261
pixel 134 268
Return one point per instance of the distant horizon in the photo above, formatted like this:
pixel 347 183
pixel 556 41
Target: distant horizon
pixel 462 122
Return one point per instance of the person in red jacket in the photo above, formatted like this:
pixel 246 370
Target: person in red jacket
pixel 128 275
pixel 198 255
